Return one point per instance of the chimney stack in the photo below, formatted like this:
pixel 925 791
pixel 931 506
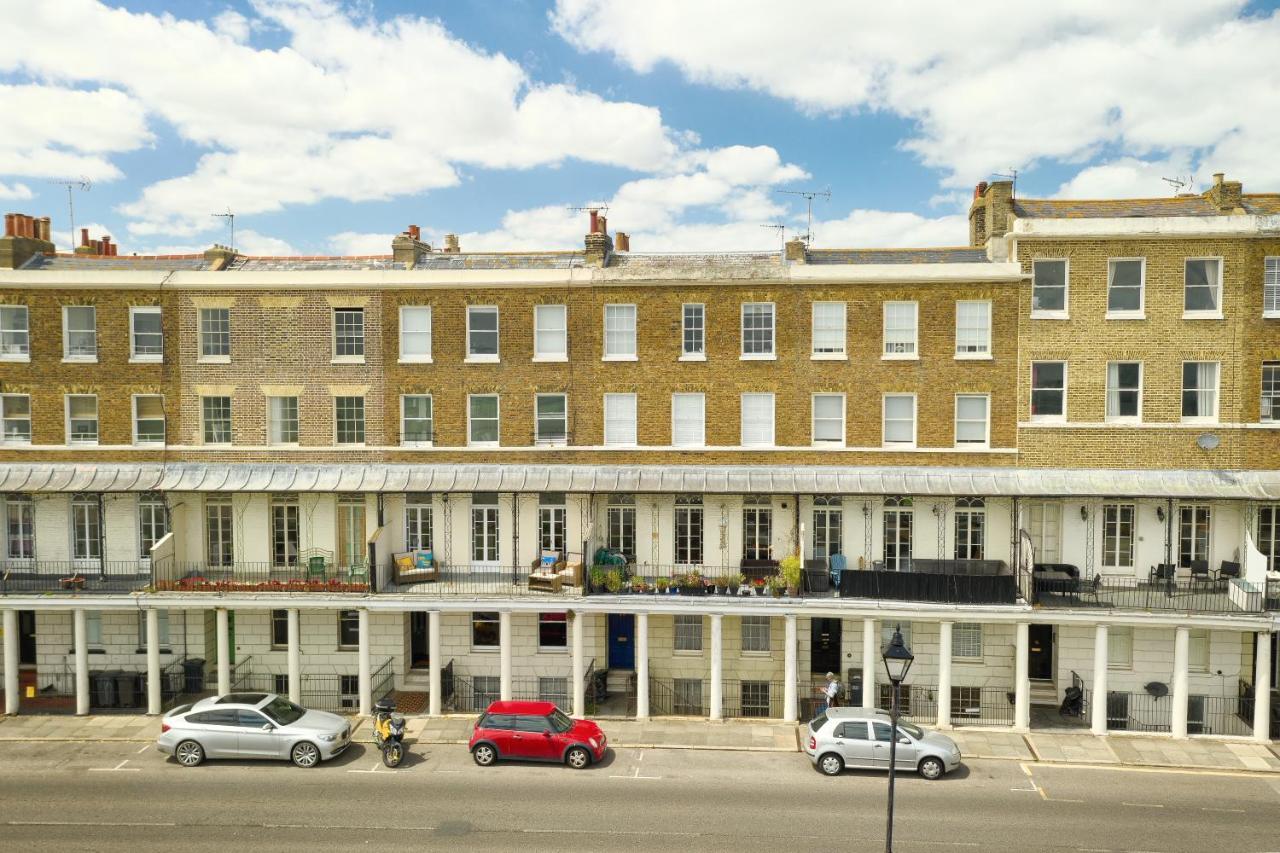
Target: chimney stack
pixel 1226 195
pixel 980 189
pixel 451 244
pixel 595 222
pixel 415 232
pixel 24 237
pixel 623 242
pixel 794 251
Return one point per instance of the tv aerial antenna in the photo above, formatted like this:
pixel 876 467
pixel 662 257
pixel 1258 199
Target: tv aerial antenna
pixel 782 232
pixel 1179 183
pixel 231 222
pixel 809 196
pixel 81 183
pixel 1012 175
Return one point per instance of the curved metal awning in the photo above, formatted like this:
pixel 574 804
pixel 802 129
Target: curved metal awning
pixel 688 479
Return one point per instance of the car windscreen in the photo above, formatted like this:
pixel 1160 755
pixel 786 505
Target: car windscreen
pixel 560 721
pixel 915 731
pixel 282 711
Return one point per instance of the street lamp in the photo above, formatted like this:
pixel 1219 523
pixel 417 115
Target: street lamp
pixel 897 661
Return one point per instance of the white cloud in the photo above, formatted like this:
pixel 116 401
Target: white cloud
pixel 54 132
pixel 359 243
pixel 1128 177
pixel 14 191
pixel 992 85
pixel 250 242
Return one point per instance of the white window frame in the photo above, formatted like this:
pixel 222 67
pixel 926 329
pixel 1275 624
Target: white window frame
pixel 230 418
pixel 612 440
pixel 5 417
pixel 364 421
pixel 16 352
pixel 884 421
pixel 966 641
pixel 1139 313
pixel 756 635
pixel 1199 649
pixel 1119 516
pixel 540 313
pixel 163 421
pixel 620 311
pixel 136 357
pixel 66 335
pixel 538 439
pixel 772 354
pixel 986 432
pixel 985 353
pixel 404 442
pixel 1120 647
pixel 271 421
pixel 768 441
pixel 97 418
pixel 1062 313
pixel 813 420
pixel 1217 393
pixel 1066 380
pixel 699 354
pixel 1122 419
pixel 416 358
pixel 1271 288
pixel 1269 398
pixel 350 358
pixel 683 629
pixel 470 441
pixel 484 358
pixel 900 350
pixel 701 400
pixel 832 354
pixel 1203 313
pixel 218 358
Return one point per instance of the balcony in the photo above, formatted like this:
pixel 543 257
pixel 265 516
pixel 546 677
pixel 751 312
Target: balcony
pixel 1163 594
pixel 95 577
pixel 484 579
pixel 317 574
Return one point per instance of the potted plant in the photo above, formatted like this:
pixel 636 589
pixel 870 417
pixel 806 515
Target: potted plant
pixel 662 584
pixel 638 585
pixel 692 583
pixel 613 581
pixel 758 584
pixel 598 576
pixel 777 585
pixel 791 570
pixel 735 582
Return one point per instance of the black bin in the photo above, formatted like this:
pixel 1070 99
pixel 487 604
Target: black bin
pixel 193 674
pixel 128 689
pixel 102 689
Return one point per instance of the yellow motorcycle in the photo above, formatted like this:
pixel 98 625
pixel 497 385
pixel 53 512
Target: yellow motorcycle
pixel 388 732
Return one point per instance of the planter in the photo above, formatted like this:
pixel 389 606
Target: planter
pixel 733 590
pixel 720 590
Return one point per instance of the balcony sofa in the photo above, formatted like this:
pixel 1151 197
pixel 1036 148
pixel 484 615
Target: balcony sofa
pixel 410 567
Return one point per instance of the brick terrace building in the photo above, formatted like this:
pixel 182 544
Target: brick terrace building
pixel 1049 456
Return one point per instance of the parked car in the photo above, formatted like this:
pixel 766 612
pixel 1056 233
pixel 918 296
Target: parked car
pixel 860 737
pixel 251 725
pixel 535 731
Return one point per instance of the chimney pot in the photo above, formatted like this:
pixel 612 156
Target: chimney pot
pixel 46 233
pixel 1218 177
pixel 415 232
pixel 84 236
pixel 980 189
pixel 604 225
pixel 595 222
pixel 451 243
pixel 623 242
pixel 8 225
pixel 21 225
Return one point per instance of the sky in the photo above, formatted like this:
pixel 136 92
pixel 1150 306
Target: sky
pixel 327 126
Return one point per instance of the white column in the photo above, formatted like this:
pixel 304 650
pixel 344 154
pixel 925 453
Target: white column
pixel 1098 704
pixel 364 673
pixel 295 655
pixel 642 666
pixel 437 665
pixel 1181 658
pixel 1261 688
pixel 579 666
pixel 504 655
pixel 870 660
pixel 717 666
pixel 154 702
pixel 82 662
pixel 791 670
pixel 1022 683
pixel 11 685
pixel 224 651
pixel 944 675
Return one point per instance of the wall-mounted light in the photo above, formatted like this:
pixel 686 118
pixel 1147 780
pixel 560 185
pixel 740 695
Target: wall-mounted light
pixel 1084 512
pixel 1160 512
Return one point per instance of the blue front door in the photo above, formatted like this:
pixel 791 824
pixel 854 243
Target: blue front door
pixel 622 630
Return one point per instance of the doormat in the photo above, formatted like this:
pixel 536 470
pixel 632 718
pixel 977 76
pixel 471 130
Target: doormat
pixel 411 701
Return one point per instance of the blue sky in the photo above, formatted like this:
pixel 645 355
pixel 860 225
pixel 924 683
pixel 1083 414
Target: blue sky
pixel 328 126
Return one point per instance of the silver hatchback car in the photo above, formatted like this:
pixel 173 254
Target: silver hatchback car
pixel 251 725
pixel 859 737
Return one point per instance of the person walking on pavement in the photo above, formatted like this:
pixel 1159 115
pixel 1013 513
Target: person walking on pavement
pixel 832 690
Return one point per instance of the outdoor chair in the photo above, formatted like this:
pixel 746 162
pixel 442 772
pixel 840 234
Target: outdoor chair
pixel 1200 572
pixel 1162 573
pixel 316 562
pixel 1229 569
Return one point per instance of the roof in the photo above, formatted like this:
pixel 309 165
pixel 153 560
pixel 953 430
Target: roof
pixel 670 479
pixel 115 262
pixel 1188 205
pixel 499 261
pixel 948 255
pixel 348 262
pixel 518 707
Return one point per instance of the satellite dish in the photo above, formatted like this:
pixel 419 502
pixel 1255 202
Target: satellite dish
pixel 1207 441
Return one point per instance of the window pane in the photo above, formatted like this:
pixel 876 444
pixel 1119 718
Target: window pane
pixel 1201 285
pixel 693 341
pixel 757 328
pixel 971 419
pixel 148 340
pixel 1124 290
pixel 348 331
pixel 484 418
pixel 417 426
pixel 757 420
pixel 350 419
pixel 149 423
pixel 899 419
pixel 1270 410
pixel 282 414
pixel 828 328
pixel 415 332
pixel 828 417
pixel 550 331
pixel 1049 288
pixel 619 330
pixel 687 420
pixel 973 328
pixel 14 333
pixel 899 328
pixel 620 419
pixel 551 418
pixel 482 327
pixel 215 331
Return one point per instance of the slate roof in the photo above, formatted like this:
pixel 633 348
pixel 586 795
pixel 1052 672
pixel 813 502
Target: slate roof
pixel 349 262
pixel 500 261
pixel 116 262
pixel 949 255
pixel 1191 205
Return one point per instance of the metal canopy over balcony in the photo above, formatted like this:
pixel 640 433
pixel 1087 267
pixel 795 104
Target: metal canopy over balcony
pixel 708 479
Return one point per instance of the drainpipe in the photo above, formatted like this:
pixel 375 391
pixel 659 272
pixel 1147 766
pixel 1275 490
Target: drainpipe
pixel 1168 531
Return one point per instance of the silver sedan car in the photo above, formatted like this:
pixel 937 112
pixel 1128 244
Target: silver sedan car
pixel 251 725
pixel 858 737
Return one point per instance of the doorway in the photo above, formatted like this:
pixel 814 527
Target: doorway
pixel 824 637
pixel 26 638
pixel 622 651
pixel 1040 653
pixel 419 640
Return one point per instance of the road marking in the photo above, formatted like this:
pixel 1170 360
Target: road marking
pixel 144 749
pixel 636 769
pixel 1232 811
pixel 374 770
pixel 82 823
pixel 120 766
pixel 1044 795
pixel 1143 805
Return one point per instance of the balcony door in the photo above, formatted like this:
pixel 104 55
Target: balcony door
pixel 828 521
pixel 484 531
pixel 897 534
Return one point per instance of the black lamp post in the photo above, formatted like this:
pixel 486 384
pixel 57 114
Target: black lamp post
pixel 897 661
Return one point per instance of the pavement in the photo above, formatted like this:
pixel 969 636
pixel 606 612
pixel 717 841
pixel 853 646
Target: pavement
pixel 1080 748
pixel 121 796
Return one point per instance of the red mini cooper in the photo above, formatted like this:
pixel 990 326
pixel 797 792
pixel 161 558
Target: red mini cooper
pixel 535 731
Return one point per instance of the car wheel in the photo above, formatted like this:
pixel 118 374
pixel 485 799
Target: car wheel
pixel 484 755
pixel 577 758
pixel 305 754
pixel 831 764
pixel 931 768
pixel 189 754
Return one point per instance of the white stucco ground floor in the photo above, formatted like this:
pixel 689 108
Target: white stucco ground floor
pixel 714 657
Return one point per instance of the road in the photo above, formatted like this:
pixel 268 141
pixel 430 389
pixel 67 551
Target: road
pixel 127 796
